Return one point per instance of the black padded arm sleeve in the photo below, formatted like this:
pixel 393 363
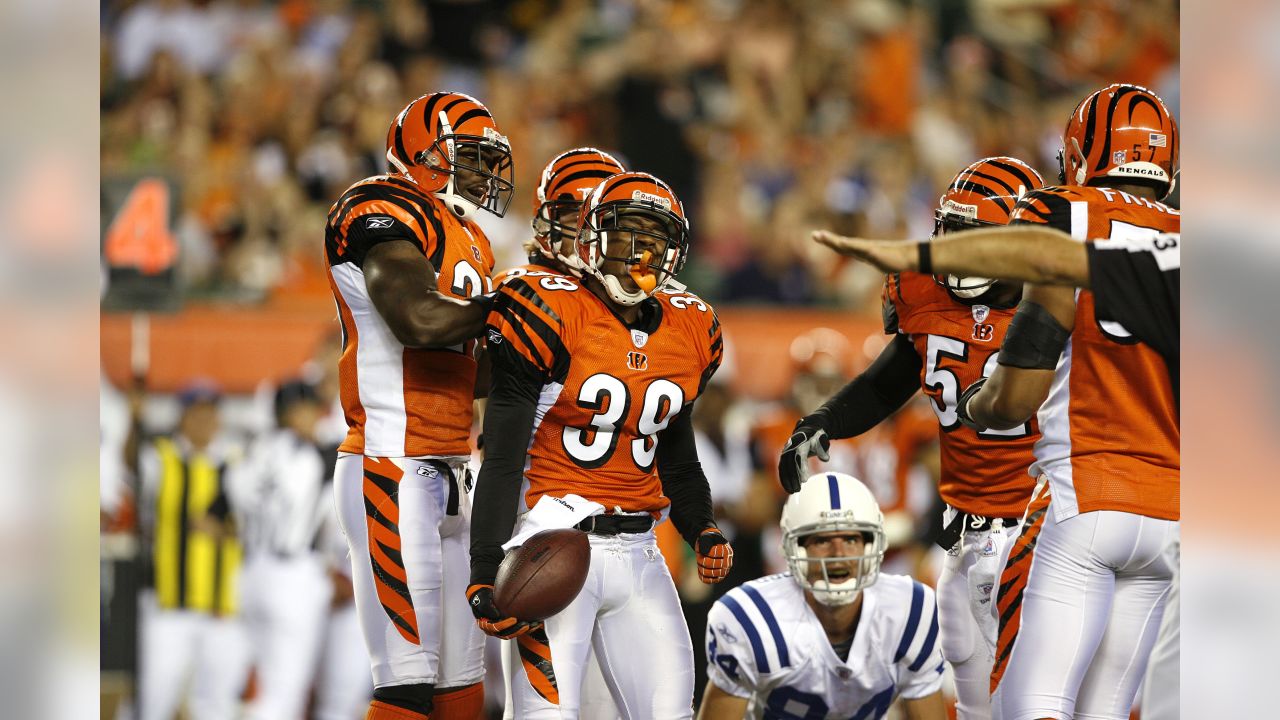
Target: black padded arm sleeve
pixel 683 481
pixel 875 394
pixel 508 425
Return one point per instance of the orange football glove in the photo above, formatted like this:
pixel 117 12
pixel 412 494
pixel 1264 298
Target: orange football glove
pixel 715 556
pixel 492 622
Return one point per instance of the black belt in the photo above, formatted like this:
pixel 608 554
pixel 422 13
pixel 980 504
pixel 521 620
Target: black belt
pixel 616 524
pixel 964 522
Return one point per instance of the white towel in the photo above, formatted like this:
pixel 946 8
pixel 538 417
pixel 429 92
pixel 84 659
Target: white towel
pixel 551 513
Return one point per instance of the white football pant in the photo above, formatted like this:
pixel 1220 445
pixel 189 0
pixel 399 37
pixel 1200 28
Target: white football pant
pixel 1093 602
pixel 966 622
pixel 1161 688
pixel 522 666
pixel 629 614
pixel 407 524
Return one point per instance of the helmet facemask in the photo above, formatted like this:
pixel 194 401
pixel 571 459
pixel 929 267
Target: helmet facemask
pixel 555 223
pixel 964 287
pixel 480 172
pixel 640 239
pixel 835 580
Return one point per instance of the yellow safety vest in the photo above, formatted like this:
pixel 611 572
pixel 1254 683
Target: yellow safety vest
pixel 193 570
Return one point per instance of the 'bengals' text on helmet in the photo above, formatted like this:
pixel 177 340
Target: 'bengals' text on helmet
pixel 633 236
pixel 449 144
pixel 982 194
pixel 1121 133
pixel 566 182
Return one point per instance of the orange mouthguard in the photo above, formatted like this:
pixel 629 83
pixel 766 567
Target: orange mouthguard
pixel 643 274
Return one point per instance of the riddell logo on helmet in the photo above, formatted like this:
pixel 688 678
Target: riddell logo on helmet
pixel 955 208
pixel 835 514
pixel 658 200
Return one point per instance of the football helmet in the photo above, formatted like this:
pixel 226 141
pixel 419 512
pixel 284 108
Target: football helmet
pixel 982 194
pixel 833 502
pixel 566 182
pixel 653 256
pixel 439 136
pixel 1121 131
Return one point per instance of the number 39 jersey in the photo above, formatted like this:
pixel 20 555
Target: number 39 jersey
pixel 766 644
pixel 398 401
pixel 605 390
pixel 983 473
pixel 1110 422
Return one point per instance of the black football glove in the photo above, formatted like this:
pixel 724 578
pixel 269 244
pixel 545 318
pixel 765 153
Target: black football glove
pixel 490 620
pixel 808 439
pixel 962 406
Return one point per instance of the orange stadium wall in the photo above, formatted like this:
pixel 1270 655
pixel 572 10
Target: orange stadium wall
pixel 239 348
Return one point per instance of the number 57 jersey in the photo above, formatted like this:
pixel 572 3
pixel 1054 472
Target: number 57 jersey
pixel 605 390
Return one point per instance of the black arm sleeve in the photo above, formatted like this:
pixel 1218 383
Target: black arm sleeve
pixel 876 393
pixel 1138 288
pixel 683 481
pixel 508 425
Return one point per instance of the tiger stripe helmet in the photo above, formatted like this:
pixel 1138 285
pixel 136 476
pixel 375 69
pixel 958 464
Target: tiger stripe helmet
pixel 439 134
pixel 1121 131
pixel 566 182
pixel 982 194
pixel 650 258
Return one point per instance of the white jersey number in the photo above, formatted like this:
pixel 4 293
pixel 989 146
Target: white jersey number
pixel 607 397
pixel 948 385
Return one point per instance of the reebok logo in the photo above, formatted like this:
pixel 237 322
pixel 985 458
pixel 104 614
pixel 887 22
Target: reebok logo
pixel 379 222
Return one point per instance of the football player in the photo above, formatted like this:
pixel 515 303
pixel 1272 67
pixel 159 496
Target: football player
pixel 566 181
pixel 947 332
pixel 1097 552
pixel 832 638
pixel 593 386
pixel 409 268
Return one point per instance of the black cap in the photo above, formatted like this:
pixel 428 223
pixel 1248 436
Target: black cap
pixel 294 391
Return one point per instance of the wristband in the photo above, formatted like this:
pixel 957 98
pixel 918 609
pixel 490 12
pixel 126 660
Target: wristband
pixel 924 258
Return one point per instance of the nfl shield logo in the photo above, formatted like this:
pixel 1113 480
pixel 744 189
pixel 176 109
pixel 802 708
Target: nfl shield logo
pixel 1117 157
pixel 639 338
pixel 980 313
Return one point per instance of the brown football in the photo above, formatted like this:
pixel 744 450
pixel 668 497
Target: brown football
pixel 541 577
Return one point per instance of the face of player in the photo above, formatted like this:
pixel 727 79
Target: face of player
pixel 473 162
pixel 838 544
pixel 634 234
pixel 567 216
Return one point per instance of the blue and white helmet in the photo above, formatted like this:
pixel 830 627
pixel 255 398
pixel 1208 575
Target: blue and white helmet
pixel 833 502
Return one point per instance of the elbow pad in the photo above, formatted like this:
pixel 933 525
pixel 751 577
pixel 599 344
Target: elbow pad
pixel 1035 339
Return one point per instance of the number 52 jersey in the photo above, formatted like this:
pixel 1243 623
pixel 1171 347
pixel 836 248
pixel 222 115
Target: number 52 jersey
pixel 766 644
pixel 605 390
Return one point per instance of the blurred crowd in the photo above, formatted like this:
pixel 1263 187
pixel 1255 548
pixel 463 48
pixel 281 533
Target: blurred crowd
pixel 769 117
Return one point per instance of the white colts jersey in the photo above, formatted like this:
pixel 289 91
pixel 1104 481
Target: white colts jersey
pixel 765 643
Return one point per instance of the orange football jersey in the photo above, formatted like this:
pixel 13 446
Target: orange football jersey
pixel 1110 424
pixel 536 263
pixel 982 473
pixel 398 401
pixel 607 390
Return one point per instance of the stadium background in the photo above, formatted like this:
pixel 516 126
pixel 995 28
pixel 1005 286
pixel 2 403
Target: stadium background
pixel 228 128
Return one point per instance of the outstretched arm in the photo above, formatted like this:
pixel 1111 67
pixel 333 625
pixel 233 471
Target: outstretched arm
pixel 1023 253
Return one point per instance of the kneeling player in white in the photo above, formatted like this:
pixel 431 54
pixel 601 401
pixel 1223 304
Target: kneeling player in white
pixel 831 638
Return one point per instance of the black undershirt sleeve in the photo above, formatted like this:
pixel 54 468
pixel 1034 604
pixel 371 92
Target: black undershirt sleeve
pixel 508 425
pixel 875 394
pixel 683 481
